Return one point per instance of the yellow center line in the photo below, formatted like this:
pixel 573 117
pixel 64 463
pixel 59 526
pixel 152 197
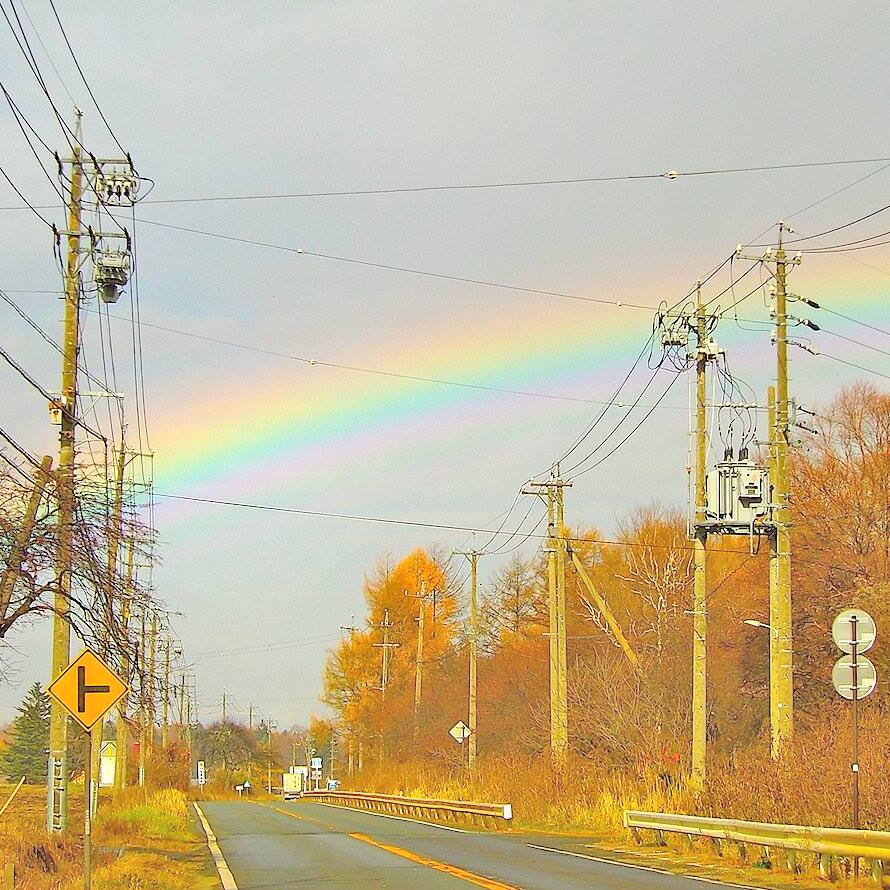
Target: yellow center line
pixel 452 870
pixel 306 819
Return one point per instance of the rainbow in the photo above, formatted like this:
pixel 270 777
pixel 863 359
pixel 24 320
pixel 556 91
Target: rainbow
pixel 275 431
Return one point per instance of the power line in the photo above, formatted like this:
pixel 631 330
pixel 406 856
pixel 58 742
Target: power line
pixel 20 448
pixel 835 358
pixel 84 79
pixel 353 517
pixel 852 340
pixel 641 421
pixel 375 371
pixel 31 207
pixel 845 225
pixel 47 395
pixel 48 56
pixel 864 324
pixel 506 184
pixel 393 268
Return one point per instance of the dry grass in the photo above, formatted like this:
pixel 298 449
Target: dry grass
pixel 144 841
pixel 811 786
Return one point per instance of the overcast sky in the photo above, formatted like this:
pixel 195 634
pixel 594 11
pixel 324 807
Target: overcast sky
pixel 255 99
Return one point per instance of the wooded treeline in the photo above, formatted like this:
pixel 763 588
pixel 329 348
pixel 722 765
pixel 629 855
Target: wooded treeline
pixel 633 720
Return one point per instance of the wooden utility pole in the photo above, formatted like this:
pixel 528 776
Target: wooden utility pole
pixel 165 703
pixel 385 646
pixel 107 636
pixel 20 545
pixel 700 587
pixel 421 598
pixel 552 492
pixel 179 733
pixel 149 641
pixel 781 664
pixel 418 670
pixel 224 706
pixel 473 556
pixel 121 734
pixel 563 715
pixel 152 677
pixel 57 792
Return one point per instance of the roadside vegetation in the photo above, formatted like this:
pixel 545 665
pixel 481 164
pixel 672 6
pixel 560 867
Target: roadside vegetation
pixel 143 841
pixel 143 838
pixel 630 728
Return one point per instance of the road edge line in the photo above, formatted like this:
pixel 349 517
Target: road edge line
pixel 639 867
pixel 225 873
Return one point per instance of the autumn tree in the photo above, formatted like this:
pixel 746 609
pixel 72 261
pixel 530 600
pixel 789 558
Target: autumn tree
pixel 229 747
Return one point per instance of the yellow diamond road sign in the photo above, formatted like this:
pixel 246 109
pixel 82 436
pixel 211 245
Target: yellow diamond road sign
pixel 88 689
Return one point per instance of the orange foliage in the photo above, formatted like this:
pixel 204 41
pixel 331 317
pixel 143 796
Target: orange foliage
pixel 636 722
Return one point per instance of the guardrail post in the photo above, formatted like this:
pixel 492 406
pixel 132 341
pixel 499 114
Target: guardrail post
pixel 791 861
pixel 877 870
pixel 718 846
pixel 659 838
pixel 743 850
pixel 766 856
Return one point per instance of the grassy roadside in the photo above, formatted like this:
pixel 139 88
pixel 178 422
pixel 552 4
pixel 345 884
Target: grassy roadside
pixel 587 802
pixel 145 841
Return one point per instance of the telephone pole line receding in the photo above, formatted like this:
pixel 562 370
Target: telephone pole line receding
pixel 703 354
pixel 552 492
pixel 121 734
pixel 165 705
pixel 781 661
pixel 421 598
pixel 385 646
pixel 57 798
pixel 473 557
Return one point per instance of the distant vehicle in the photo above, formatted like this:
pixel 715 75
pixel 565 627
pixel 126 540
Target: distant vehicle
pixel 294 783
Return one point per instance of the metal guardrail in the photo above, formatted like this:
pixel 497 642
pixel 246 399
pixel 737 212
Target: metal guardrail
pixel 488 815
pixel 828 844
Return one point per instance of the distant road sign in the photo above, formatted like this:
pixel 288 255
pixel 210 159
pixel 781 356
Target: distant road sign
pixel 88 689
pixel 842 677
pixel 315 763
pixel 459 732
pixel 202 773
pixel 842 630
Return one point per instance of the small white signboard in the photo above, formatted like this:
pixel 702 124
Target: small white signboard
pixel 842 677
pixel 202 773
pixel 854 622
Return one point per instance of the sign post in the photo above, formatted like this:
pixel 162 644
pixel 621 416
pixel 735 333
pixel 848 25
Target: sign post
pixel 854 678
pixel 88 689
pixel 315 764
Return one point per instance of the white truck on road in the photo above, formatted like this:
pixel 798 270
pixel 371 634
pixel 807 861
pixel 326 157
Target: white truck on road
pixel 294 782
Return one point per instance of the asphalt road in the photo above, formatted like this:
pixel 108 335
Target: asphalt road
pixel 278 846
